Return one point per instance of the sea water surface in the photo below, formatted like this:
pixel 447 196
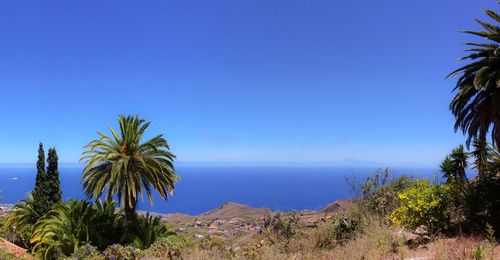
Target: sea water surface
pixel 203 188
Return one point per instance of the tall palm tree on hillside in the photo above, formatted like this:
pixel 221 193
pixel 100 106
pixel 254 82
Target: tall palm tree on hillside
pixel 476 105
pixel 123 165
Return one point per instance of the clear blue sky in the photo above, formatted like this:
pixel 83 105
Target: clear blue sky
pixel 236 81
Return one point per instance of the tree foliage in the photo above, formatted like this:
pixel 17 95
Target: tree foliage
pixel 380 189
pixel 47 189
pixel 454 166
pixel 476 104
pixel 69 226
pixel 41 202
pixel 494 165
pixel 53 184
pixel 78 223
pixel 123 165
pixel 482 154
pixel 23 214
pixel 145 230
pixel 21 220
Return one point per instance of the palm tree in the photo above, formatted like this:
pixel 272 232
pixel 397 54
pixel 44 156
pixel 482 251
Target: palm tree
pixel 64 229
pixel 145 230
pixel 476 105
pixel 107 224
pixel 494 165
pixel 23 213
pixel 454 166
pixel 22 218
pixel 123 165
pixel 447 168
pixel 482 155
pixel 76 223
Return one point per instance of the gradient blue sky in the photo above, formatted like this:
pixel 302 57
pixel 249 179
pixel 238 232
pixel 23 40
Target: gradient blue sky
pixel 236 81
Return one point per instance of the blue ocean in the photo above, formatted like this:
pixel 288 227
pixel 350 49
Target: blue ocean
pixel 203 188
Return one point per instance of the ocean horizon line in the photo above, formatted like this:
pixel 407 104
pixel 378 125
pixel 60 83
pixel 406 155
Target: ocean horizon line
pixel 336 164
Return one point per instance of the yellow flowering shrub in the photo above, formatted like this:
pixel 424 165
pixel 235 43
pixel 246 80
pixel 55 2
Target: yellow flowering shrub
pixel 423 203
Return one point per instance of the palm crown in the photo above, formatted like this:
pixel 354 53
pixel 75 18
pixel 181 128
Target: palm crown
pixel 455 165
pixel 122 165
pixel 476 105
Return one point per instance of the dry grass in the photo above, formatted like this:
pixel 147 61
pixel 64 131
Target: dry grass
pixel 378 241
pixel 459 248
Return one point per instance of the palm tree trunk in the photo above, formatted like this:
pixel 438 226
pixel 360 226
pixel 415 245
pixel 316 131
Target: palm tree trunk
pixel 130 214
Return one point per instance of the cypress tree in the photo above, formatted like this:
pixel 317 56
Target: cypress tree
pixel 41 205
pixel 53 182
pixel 47 187
pixel 40 164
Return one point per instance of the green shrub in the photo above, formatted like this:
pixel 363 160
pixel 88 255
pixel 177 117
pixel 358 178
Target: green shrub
pixel 423 204
pixel 20 221
pixel 345 228
pixel 145 230
pixel 108 224
pixel 87 251
pixel 76 223
pixel 384 200
pixel 166 248
pixel 280 229
pixel 490 234
pixel 212 242
pixel 479 252
pixel 482 205
pixel 2 223
pixel 378 193
pixel 9 233
pixel 119 252
pixel 253 250
pixel 339 231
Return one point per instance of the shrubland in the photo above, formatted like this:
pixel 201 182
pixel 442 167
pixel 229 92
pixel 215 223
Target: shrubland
pixel 392 217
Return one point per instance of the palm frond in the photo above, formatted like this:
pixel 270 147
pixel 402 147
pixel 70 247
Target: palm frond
pixel 477 93
pixel 128 167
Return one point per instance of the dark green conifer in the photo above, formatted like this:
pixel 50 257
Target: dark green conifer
pixel 53 183
pixel 47 189
pixel 40 203
pixel 40 164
